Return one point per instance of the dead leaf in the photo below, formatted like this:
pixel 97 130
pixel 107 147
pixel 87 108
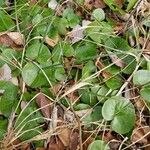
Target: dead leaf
pixel 74 141
pixel 5 73
pixel 55 144
pixel 90 4
pixel 138 133
pixel 84 112
pixel 64 136
pixel 117 61
pixel 44 104
pixel 51 42
pixel 12 39
pixel 77 33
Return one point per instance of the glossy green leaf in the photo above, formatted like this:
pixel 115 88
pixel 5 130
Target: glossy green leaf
pixel 121 113
pixel 98 145
pixel 141 77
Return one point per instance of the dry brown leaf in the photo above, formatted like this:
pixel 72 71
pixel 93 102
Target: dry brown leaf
pixel 90 4
pixel 42 101
pixel 51 42
pixel 64 136
pixel 74 141
pixel 55 144
pixel 117 61
pixel 137 134
pixel 12 39
pixel 5 73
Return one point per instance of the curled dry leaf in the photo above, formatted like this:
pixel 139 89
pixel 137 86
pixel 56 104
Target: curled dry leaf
pixel 51 42
pixel 12 39
pixel 64 136
pixel 45 105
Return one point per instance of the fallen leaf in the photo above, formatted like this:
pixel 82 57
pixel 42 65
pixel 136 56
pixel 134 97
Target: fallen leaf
pixel 84 112
pixel 77 32
pixel 74 141
pixel 138 133
pixel 64 136
pixel 5 73
pixel 90 4
pixel 51 42
pixel 55 144
pixel 12 39
pixel 45 105
pixel 117 61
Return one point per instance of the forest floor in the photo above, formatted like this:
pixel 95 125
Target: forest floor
pixel 75 75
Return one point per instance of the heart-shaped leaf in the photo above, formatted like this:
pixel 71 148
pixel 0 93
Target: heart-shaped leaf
pixel 121 112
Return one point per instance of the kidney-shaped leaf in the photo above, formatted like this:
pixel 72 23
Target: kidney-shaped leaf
pixel 98 145
pixel 141 77
pixel 29 73
pixel 121 112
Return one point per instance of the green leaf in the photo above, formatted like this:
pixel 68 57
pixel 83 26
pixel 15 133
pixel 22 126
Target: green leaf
pixel 131 4
pixel 37 19
pixel 9 97
pixel 88 69
pixel 141 77
pixel 29 121
pixel 85 52
pixel 68 50
pixel 145 93
pixel 117 43
pixel 114 82
pixel 98 14
pixel 72 18
pixel 60 73
pixel 99 31
pixel 98 145
pixel 81 106
pixel 29 73
pixel 121 113
pixel 33 50
pixel 6 22
pixel 3 127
